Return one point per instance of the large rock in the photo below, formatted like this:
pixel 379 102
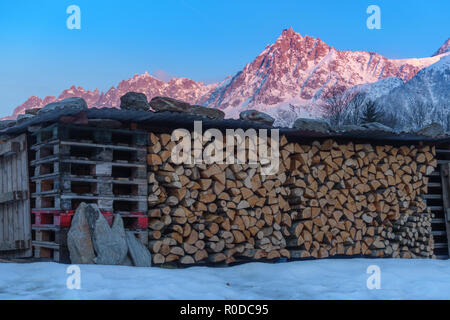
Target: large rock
pixel 33 111
pixel 257 116
pixel 70 104
pixel 79 240
pixel 7 123
pixel 432 130
pixel 317 125
pixel 161 104
pixel 212 113
pixel 23 117
pixel 140 255
pixel 110 244
pixel 134 101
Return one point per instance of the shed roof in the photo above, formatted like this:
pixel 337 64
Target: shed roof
pixel 173 120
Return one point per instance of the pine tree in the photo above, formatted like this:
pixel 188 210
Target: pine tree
pixel 370 113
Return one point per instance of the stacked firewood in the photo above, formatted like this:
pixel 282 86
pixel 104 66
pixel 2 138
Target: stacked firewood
pixel 359 199
pixel 326 199
pixel 214 213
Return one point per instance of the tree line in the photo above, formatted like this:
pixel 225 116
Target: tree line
pixel 342 108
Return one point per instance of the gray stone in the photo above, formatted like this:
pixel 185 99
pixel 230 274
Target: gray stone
pixel 212 113
pixel 110 244
pixel 7 123
pixel 72 104
pixel 92 213
pixel 33 111
pixel 432 130
pixel 134 101
pixel 23 117
pixel 140 255
pixel 127 261
pixel 161 104
pixel 79 240
pixel 317 125
pixel 257 116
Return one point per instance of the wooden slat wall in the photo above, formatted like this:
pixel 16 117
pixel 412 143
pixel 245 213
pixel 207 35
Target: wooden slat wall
pixel 15 220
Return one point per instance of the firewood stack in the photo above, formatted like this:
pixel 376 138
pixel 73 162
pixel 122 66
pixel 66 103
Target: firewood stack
pixel 215 213
pixel 359 199
pixel 326 199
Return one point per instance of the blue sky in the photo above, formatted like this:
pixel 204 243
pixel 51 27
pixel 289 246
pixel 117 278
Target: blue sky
pixel 205 40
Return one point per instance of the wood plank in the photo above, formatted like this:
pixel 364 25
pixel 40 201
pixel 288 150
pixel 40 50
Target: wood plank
pixel 15 220
pixel 13 196
pixel 445 176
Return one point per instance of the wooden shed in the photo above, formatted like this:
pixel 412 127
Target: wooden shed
pixel 15 226
pixel 119 160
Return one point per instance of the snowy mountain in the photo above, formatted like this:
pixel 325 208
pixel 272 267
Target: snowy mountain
pixel 287 80
pixel 298 70
pixel 179 88
pixel 445 48
pixel 425 97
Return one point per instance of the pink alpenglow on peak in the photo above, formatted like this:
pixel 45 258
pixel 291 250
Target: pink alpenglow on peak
pixel 445 48
pixel 289 77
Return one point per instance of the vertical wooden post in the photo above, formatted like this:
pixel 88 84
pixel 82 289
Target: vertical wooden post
pixel 445 174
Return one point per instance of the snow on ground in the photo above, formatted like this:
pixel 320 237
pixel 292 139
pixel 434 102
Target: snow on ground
pixel 319 279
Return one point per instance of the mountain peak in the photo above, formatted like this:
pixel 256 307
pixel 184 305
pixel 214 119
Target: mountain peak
pixel 444 48
pixel 289 33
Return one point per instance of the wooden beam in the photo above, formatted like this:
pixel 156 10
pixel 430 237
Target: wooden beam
pixel 445 175
pixel 13 245
pixel 13 196
pixel 9 148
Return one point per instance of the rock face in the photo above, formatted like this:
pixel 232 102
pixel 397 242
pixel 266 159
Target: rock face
pixel 432 130
pixel 75 104
pixel 161 104
pixel 110 244
pixel 257 116
pixel 316 125
pixel 134 101
pixel 309 68
pixel 140 255
pixel 79 239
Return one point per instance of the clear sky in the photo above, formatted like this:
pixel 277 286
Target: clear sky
pixel 204 40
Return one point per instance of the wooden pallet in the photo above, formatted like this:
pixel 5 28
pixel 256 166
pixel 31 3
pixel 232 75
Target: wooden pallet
pixel 71 201
pixel 82 167
pixel 98 186
pixel 51 250
pixel 54 234
pixel 445 175
pixel 90 134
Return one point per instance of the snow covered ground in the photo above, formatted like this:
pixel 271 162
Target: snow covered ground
pixel 319 279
